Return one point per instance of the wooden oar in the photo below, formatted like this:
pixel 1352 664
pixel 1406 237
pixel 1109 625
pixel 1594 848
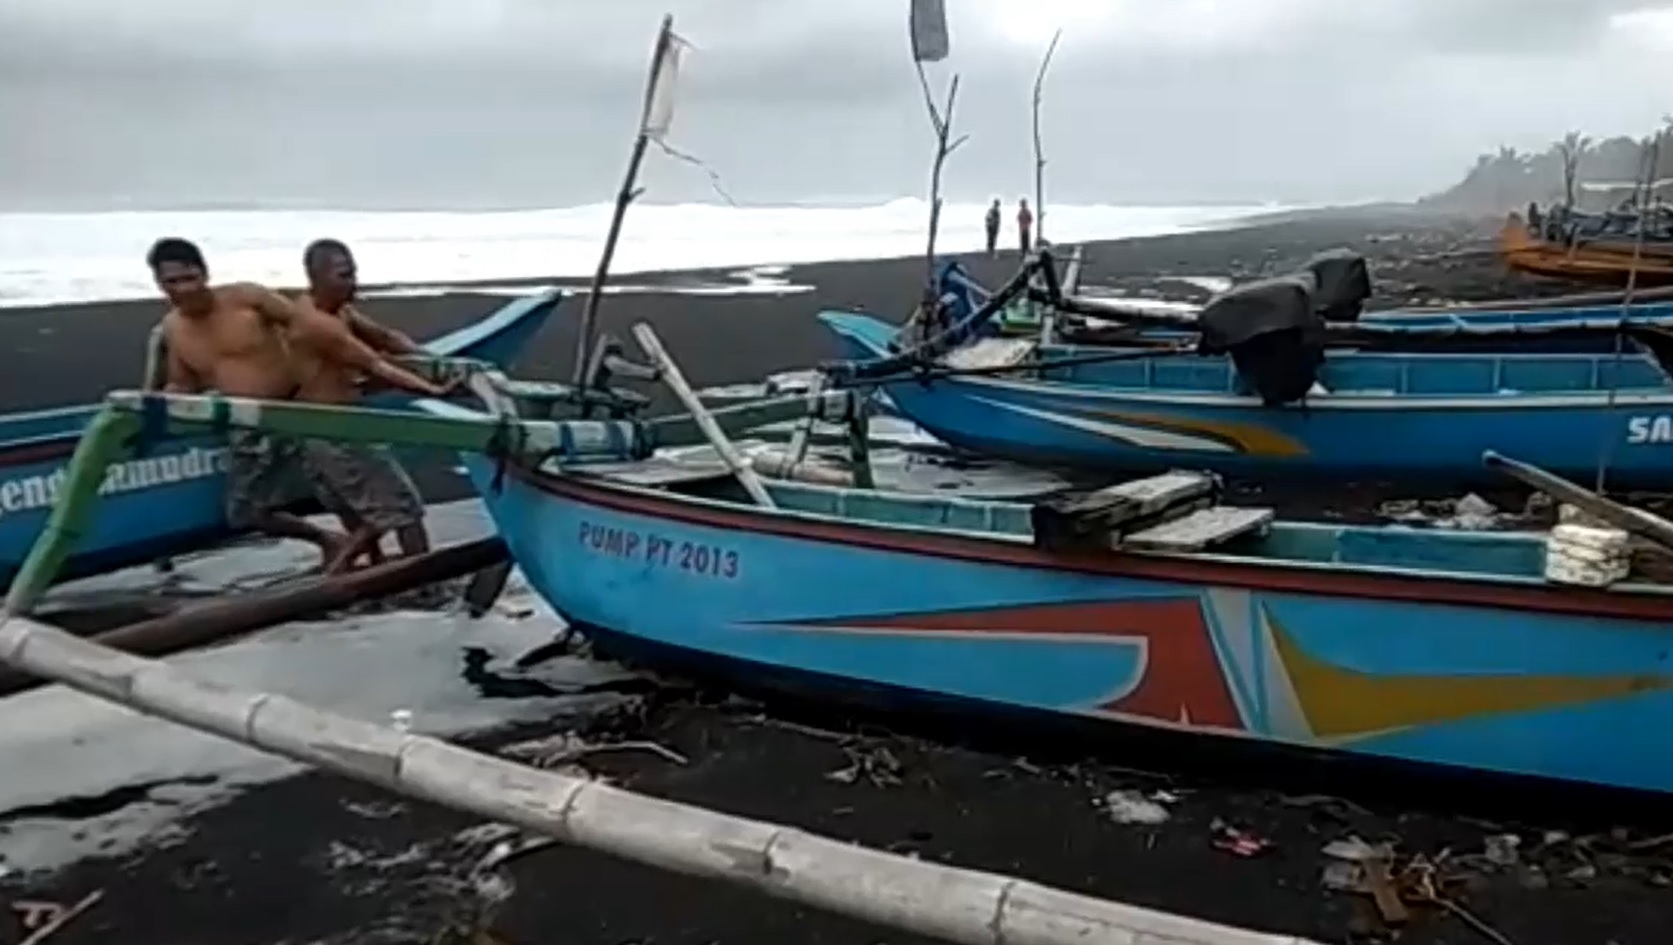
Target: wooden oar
pixel 1636 521
pixel 672 376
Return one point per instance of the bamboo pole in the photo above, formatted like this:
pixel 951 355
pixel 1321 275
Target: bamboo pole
pixel 1039 142
pixel 957 905
pixel 1625 517
pixel 1650 157
pixel 624 197
pixel 817 404
pixel 675 379
pixel 107 439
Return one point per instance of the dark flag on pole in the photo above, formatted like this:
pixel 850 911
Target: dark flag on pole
pixel 929 30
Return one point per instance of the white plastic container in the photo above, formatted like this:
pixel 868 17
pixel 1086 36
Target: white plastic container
pixel 1586 556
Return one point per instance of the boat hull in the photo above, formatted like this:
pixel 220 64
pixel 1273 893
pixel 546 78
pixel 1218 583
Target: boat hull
pixel 1329 436
pixel 170 499
pixel 1598 263
pixel 1518 680
pixel 1526 327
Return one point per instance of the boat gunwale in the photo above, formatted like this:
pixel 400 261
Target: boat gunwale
pixel 1641 602
pixel 49 446
pixel 1330 400
pixel 1619 398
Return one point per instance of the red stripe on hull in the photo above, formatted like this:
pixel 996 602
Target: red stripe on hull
pixel 29 453
pixel 1179 677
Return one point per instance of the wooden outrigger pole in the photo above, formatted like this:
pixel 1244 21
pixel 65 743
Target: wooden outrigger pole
pixel 956 905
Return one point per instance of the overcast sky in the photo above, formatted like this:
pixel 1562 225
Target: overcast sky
pixel 533 102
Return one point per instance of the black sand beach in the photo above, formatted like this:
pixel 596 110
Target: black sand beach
pixel 262 869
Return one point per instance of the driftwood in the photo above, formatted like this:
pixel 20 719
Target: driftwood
pixel 919 896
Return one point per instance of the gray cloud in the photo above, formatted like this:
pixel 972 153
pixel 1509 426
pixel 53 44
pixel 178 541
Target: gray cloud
pixel 510 102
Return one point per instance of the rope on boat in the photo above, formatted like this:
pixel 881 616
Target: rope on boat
pixel 957 905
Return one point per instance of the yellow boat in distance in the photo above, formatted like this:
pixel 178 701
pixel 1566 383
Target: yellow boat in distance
pixel 1602 262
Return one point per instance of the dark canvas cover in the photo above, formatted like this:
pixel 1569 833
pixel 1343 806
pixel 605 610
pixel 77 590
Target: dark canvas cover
pixel 1341 284
pixel 1271 331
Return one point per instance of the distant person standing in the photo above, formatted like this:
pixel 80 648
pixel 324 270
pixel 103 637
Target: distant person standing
pixel 993 227
pixel 1025 225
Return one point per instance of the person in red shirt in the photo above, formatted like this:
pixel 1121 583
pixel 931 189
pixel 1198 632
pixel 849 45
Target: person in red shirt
pixel 1025 225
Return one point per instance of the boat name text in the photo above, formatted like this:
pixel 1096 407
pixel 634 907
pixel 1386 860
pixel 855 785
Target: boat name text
pixel 658 551
pixel 36 492
pixel 1656 429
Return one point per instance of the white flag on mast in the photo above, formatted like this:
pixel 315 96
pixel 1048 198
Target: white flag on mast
pixel 928 24
pixel 665 76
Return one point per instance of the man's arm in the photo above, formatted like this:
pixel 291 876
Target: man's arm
pixel 274 308
pixel 334 342
pixel 381 338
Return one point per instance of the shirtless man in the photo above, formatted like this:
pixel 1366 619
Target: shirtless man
pixel 244 340
pixel 374 495
pixel 332 285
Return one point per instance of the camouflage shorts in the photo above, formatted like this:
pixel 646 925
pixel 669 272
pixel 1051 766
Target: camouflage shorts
pixel 362 483
pixel 264 472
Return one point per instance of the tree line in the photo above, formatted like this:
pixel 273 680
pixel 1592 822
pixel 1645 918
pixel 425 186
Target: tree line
pixel 1573 169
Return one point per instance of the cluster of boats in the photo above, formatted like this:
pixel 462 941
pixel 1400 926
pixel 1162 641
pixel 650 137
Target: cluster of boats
pixel 1146 603
pixel 1606 248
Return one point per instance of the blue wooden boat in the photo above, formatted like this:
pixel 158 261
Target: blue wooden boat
pixel 170 500
pixel 1438 647
pixel 1151 608
pixel 1538 328
pixel 1378 416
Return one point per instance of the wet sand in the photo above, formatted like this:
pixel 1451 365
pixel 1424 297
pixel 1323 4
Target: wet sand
pixel 314 858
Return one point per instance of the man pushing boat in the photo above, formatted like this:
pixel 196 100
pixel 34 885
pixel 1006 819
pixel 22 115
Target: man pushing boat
pixel 245 340
pixel 378 496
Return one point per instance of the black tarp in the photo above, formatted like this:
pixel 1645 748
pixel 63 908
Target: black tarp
pixel 1271 330
pixel 1341 284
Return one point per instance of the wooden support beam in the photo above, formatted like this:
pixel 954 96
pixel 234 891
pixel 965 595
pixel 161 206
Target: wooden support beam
pixel 246 613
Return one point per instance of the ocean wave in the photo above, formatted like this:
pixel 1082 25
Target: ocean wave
pixel 53 258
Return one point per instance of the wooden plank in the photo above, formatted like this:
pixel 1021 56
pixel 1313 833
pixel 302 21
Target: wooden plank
pixel 1073 517
pixel 1199 530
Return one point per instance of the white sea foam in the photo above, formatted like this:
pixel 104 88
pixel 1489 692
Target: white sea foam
pixel 760 280
pixel 51 258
